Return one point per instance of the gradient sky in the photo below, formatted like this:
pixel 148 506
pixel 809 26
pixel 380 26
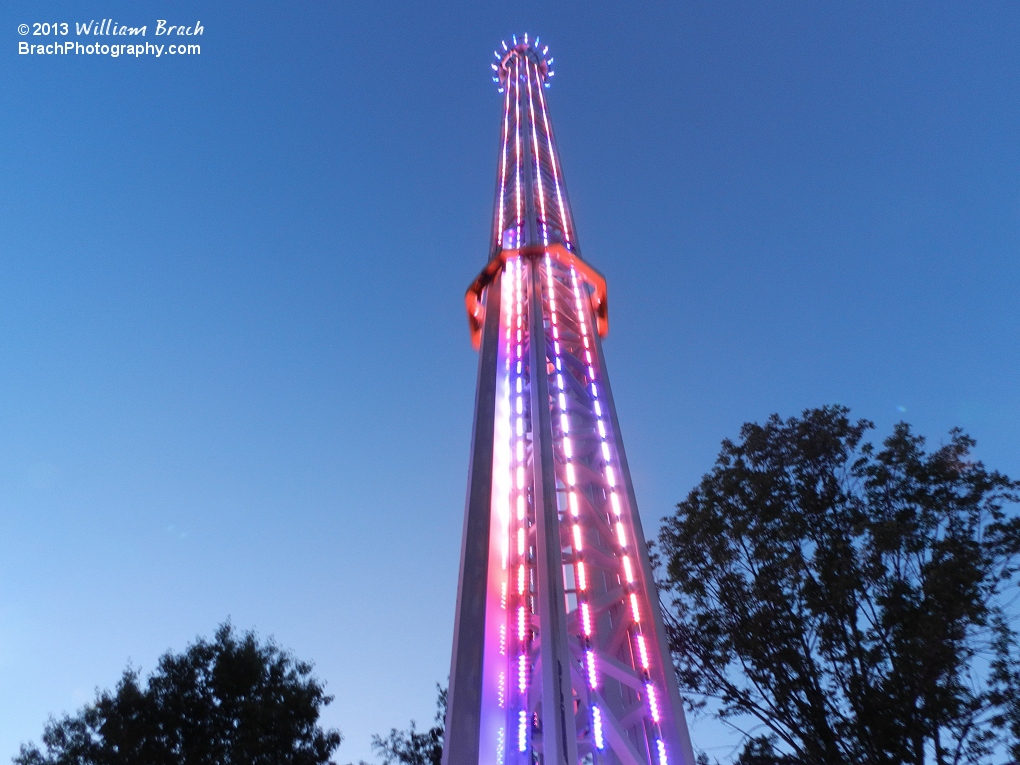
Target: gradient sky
pixel 235 374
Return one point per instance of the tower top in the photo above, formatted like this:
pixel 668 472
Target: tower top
pixel 518 48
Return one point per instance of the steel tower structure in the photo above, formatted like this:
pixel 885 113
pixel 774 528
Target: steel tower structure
pixel 559 652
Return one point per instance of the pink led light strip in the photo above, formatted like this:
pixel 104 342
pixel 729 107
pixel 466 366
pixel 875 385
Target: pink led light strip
pixel 519 489
pixel 534 145
pixel 502 171
pixel 614 499
pixel 517 162
pixel 555 168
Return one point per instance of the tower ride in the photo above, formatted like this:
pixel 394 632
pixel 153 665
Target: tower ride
pixel 559 651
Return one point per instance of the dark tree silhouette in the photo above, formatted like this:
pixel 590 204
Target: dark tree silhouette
pixel 411 747
pixel 232 701
pixel 849 598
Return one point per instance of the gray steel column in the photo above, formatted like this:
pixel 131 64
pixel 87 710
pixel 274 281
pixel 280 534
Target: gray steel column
pixel 463 714
pixel 559 738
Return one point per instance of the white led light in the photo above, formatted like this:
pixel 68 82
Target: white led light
pixel 596 720
pixel 590 661
pixel 643 651
pixel 653 705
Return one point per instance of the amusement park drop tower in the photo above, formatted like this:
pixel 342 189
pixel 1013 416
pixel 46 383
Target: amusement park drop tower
pixel 559 651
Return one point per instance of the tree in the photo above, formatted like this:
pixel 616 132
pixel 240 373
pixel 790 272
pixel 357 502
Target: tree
pixel 411 747
pixel 233 701
pixel 851 599
pixel 761 750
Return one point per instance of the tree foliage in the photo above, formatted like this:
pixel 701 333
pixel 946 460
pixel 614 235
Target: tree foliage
pixel 849 598
pixel 232 701
pixel 411 747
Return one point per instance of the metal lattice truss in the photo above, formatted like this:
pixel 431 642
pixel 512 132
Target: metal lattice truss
pixel 559 650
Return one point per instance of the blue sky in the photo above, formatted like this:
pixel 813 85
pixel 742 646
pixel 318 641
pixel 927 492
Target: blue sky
pixel 235 374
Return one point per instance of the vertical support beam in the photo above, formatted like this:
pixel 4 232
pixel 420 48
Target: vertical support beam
pixel 559 738
pixel 463 715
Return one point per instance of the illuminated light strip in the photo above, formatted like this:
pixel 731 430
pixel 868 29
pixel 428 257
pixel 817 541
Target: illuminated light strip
pixel 661 747
pixel 502 171
pixel 615 501
pixel 500 745
pixel 653 705
pixel 634 608
pixel 517 134
pixel 589 656
pixel 580 577
pixel 627 569
pixel 621 535
pixel 555 167
pixel 586 619
pixel 642 651
pixel 516 268
pixel 538 167
pixel 596 720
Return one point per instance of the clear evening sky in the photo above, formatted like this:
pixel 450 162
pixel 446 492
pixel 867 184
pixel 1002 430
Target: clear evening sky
pixel 235 374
